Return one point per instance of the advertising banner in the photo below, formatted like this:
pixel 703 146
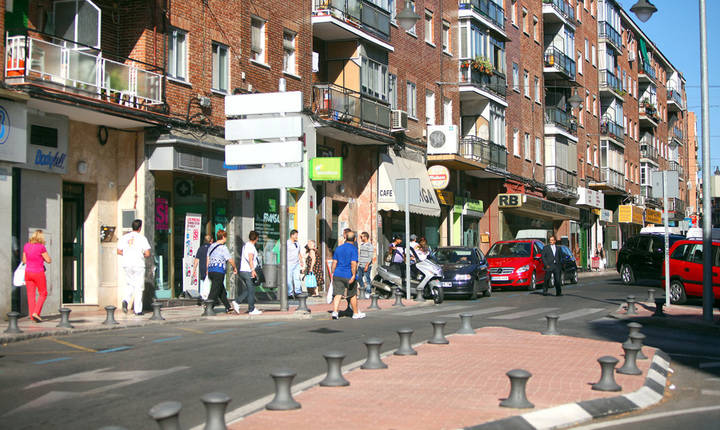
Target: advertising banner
pixel 191 243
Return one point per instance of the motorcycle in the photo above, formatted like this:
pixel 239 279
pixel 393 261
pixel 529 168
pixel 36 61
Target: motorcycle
pixel 424 276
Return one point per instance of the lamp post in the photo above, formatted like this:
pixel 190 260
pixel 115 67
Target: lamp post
pixel 407 18
pixel 644 10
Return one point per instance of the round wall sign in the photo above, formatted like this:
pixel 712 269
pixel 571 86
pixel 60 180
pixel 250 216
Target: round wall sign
pixel 439 176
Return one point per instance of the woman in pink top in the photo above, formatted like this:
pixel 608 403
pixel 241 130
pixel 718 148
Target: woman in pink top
pixel 34 256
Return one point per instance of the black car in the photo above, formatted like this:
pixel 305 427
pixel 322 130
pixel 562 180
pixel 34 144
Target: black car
pixel 642 257
pixel 465 271
pixel 568 265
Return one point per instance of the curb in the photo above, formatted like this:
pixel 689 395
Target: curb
pixel 577 413
pixel 666 321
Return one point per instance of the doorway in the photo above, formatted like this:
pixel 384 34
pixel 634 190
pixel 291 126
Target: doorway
pixel 73 197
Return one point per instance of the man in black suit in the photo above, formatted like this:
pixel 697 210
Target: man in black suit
pixel 551 261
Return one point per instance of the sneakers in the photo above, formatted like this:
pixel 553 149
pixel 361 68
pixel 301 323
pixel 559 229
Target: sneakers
pixel 358 316
pixel 367 295
pixel 255 311
pixel 236 307
pixel 124 306
pixel 334 315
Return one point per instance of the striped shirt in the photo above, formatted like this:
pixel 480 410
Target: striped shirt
pixel 365 252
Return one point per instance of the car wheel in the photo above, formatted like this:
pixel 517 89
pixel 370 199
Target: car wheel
pixel 627 275
pixel 474 294
pixel 488 292
pixel 533 283
pixel 677 292
pixel 574 279
pixel 438 295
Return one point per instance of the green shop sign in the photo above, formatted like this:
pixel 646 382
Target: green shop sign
pixel 467 206
pixel 326 169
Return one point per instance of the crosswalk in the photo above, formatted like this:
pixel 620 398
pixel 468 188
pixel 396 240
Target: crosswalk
pixel 503 313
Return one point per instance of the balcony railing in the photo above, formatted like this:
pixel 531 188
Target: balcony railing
pixel 561 119
pixel 350 107
pixel 677 133
pixel 612 178
pixel 610 81
pixel 364 14
pixel 487 8
pixel 675 96
pixel 606 31
pixel 647 69
pixel 674 165
pixel 646 191
pixel 563 7
pixel 608 127
pixel 494 82
pixel 557 59
pixel 83 70
pixel 677 206
pixel 650 112
pixel 561 178
pixel 484 151
pixel 648 151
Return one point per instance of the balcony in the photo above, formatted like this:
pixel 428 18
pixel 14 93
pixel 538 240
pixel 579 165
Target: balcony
pixel 87 72
pixel 610 84
pixel 349 107
pixel 558 64
pixel 610 181
pixel 338 20
pixel 484 151
pixel 646 73
pixel 557 11
pixel 474 82
pixel 646 191
pixel 609 128
pixel 487 10
pixel 676 207
pixel 561 180
pixel 556 117
pixel 648 152
pixel 648 115
pixel 610 35
pixel 677 134
pixel 675 101
pixel 674 165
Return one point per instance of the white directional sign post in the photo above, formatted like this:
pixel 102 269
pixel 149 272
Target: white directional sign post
pixel 407 191
pixel 665 185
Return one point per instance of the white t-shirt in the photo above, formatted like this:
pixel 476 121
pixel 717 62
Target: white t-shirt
pixel 133 245
pixel 248 249
pixel 293 253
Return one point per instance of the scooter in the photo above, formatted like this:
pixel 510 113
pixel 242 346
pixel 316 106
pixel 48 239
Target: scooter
pixel 424 276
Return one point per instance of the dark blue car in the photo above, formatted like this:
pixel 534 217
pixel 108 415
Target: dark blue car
pixel 465 271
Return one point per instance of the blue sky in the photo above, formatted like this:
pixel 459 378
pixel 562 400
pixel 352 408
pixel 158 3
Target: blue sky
pixel 675 29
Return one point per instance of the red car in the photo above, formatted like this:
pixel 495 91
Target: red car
pixel 686 270
pixel 516 263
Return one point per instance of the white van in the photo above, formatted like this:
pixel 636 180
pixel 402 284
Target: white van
pixel 539 234
pixel 660 230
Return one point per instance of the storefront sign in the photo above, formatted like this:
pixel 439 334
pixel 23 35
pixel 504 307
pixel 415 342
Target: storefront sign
pixel 191 243
pixel 13 134
pixel 630 214
pixel 467 206
pixel 326 169
pixel 446 198
pixel 267 225
pixel 439 176
pixel 606 215
pixel 510 200
pixel 162 214
pixel 47 150
pixel 653 217
pixel 537 206
pixel 592 198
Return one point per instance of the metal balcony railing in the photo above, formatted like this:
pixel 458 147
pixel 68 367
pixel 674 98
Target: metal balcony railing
pixel 650 112
pixel 559 61
pixel 606 31
pixel 646 190
pixel 674 165
pixel 612 178
pixel 648 151
pixel 647 70
pixel 350 107
pixel 560 178
pixel 675 96
pixel 563 7
pixel 677 133
pixel 560 118
pixel 365 14
pixel 608 127
pixel 487 8
pixel 610 81
pixel 484 151
pixel 677 206
pixel 494 82
pixel 83 69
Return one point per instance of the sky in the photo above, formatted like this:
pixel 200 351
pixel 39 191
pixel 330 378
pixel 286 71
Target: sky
pixel 675 30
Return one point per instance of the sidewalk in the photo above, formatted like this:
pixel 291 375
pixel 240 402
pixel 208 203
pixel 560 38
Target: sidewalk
pixel 675 315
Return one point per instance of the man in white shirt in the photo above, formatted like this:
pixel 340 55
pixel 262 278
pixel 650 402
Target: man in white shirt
pixel 294 265
pixel 133 249
pixel 248 264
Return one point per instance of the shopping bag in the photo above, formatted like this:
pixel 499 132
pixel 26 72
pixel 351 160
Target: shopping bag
pixel 19 275
pixel 329 297
pixel 205 285
pixel 310 281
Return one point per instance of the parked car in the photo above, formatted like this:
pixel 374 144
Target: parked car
pixel 642 257
pixel 465 271
pixel 686 270
pixel 516 264
pixel 568 265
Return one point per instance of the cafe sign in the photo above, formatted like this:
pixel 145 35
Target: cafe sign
pixel 653 217
pixel 439 176
pixel 630 214
pixel 326 169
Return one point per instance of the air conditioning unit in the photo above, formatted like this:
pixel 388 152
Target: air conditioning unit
pixel 398 120
pixel 442 139
pixel 631 55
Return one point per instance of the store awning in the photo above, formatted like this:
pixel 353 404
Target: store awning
pixel 536 207
pixel 393 167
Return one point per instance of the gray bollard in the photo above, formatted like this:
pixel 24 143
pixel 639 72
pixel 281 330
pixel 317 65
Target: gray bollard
pixel 419 296
pixel 465 324
pixel 302 307
pixel 209 306
pixel 517 397
pixel 638 339
pixel 12 323
pixel 630 365
pixel 631 306
pixel 64 318
pixel 398 299
pixel 167 415
pixel 659 303
pixel 110 318
pixel 607 376
pixel 552 321
pixel 405 346
pixel 157 315
pixel 334 377
pixel 651 295
pixel 215 406
pixel 373 360
pixel 374 302
pixel 438 333
pixel 633 328
pixel 283 400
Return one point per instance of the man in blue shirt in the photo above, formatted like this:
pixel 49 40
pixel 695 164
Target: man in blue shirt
pixel 344 267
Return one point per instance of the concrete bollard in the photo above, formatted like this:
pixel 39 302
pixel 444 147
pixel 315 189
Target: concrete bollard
pixel 215 407
pixel 110 317
pixel 438 333
pixel 374 302
pixel 659 303
pixel 373 360
pixel 167 415
pixel 398 299
pixel 518 383
pixel 302 307
pixel 651 295
pixel 633 328
pixel 631 306
pixel 334 377
pixel 552 321
pixel 465 324
pixel 283 400
pixel 419 296
pixel 405 346
pixel 157 315
pixel 630 365
pixel 12 323
pixel 209 306
pixel 638 339
pixel 607 376
pixel 64 318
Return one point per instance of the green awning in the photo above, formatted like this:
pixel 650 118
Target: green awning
pixel 643 51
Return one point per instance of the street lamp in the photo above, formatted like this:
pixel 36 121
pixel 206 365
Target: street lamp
pixel 575 100
pixel 407 18
pixel 643 9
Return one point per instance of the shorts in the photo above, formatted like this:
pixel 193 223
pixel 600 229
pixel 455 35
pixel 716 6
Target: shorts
pixel 343 287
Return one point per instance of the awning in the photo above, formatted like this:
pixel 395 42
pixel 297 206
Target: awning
pixel 393 167
pixel 536 207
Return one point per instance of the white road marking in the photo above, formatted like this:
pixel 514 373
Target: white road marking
pixel 559 416
pixel 431 309
pixel 578 313
pixel 484 311
pixel 649 417
pixel 710 392
pixel 522 314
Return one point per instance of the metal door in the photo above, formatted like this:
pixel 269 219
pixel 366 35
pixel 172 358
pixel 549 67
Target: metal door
pixel 72 243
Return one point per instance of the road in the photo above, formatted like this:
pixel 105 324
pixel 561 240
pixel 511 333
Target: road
pixel 114 377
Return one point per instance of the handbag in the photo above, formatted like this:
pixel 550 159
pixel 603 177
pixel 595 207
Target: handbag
pixel 260 276
pixel 19 275
pixel 205 285
pixel 310 281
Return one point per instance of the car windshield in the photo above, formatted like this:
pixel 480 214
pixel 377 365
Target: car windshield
pixel 453 256
pixel 510 249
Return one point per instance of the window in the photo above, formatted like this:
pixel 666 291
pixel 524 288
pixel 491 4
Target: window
pixel 526 146
pixel 516 77
pixel 537 89
pixel 595 157
pixel 594 55
pixel 516 142
pixel 538 151
pixel 220 68
pixel 513 12
pixel 428 27
pixel 446 37
pixel 587 154
pixel 587 50
pixel 526 83
pixel 257 40
pixel 594 105
pixel 579 62
pixel 392 92
pixel 587 101
pixel 524 21
pixel 535 32
pixel 412 7
pixel 429 107
pixel 696 254
pixel 177 54
pixel 373 79
pixel 679 253
pixel 411 100
pixel 447 112
pixel 289 63
pixel 578 11
pixel 497 124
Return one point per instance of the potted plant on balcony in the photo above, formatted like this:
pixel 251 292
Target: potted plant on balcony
pixel 482 65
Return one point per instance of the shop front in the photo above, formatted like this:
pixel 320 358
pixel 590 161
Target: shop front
pixel 589 201
pixel 523 215
pixel 629 219
pixel 653 217
pixel 467 214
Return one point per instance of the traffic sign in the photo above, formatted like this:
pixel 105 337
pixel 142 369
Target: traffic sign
pixel 264 153
pixel 264 178
pixel 263 128
pixel 413 191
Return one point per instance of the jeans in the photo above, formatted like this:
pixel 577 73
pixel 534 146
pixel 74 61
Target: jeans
pixel 294 286
pixel 363 277
pixel 248 290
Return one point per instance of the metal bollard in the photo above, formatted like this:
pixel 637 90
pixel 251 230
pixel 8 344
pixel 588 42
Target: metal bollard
pixel 405 346
pixel 659 303
pixel 518 382
pixel 215 406
pixel 64 318
pixel 633 328
pixel 157 315
pixel 167 415
pixel 607 376
pixel 110 318
pixel 638 339
pixel 651 295
pixel 12 323
pixel 302 307
pixel 630 365
pixel 631 306
pixel 209 306
pixel 552 321
pixel 398 299
pixel 334 377
pixel 283 400
pixel 419 296
pixel 373 360
pixel 374 302
pixel 465 324
pixel 438 333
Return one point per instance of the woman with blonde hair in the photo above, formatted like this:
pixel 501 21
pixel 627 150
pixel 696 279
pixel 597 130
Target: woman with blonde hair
pixel 34 256
pixel 313 266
